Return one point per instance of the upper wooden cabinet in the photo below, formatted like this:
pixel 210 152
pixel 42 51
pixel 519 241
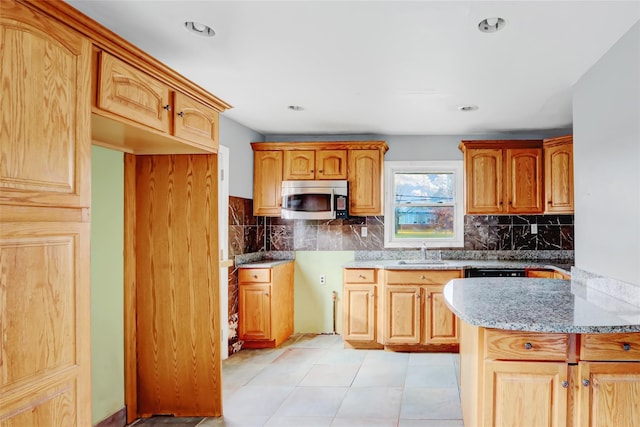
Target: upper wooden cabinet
pixel 46 75
pixel 138 98
pixel 359 162
pixel 503 176
pixel 558 174
pixel 267 183
pixel 315 164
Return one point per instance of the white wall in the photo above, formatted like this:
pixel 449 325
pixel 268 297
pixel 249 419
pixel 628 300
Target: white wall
pixel 606 124
pixel 238 138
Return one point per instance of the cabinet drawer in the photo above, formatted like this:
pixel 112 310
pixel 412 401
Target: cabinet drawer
pixel 254 275
pixel 516 345
pixel 607 347
pixel 421 277
pixel 360 276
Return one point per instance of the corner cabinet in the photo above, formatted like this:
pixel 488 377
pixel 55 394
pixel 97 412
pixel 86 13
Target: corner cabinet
pixel 359 162
pixel 503 176
pixel 558 174
pixel 265 311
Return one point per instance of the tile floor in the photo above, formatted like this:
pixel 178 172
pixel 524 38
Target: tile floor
pixel 312 380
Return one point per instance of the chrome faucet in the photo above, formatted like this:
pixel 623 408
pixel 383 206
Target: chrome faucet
pixel 423 251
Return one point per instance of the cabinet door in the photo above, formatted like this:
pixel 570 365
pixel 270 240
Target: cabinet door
pixel 484 178
pixel 609 394
pixel 558 171
pixel 359 312
pixel 331 164
pixel 267 183
pixel 525 394
pixel 195 122
pixel 45 111
pixel 132 94
pixel 299 164
pixel 402 314
pixel 524 185
pixel 365 182
pixel 440 324
pixel 254 312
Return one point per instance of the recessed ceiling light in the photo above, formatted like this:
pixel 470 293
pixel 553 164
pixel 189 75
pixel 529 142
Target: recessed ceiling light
pixel 468 108
pixel 491 25
pixel 199 29
pixel 295 108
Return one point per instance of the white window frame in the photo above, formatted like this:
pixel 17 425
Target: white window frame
pixel 440 166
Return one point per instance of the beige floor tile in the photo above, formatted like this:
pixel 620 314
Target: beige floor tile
pixel 381 375
pixel 312 402
pixel 255 401
pixel 431 404
pixel 299 422
pixel 434 376
pixel 280 374
pixel 371 402
pixel 235 421
pixel 298 355
pixel 330 376
pixel 419 359
pixel 364 422
pixel 342 356
pixel 430 423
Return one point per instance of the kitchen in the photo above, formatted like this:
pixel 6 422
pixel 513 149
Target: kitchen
pixel 595 251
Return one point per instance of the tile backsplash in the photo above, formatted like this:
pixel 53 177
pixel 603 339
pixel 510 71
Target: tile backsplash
pixel 481 232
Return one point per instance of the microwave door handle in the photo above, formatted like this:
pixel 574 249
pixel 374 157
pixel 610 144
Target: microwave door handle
pixel 333 201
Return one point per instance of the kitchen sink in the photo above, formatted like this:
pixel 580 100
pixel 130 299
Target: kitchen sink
pixel 420 262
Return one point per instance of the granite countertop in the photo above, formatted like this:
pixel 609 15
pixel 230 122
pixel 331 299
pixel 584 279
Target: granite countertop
pixel 414 264
pixel 266 263
pixel 539 305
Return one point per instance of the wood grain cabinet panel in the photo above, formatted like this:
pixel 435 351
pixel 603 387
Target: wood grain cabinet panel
pixel 558 174
pixel 365 182
pixel 524 185
pixel 45 70
pixel 402 314
pixel 331 164
pixel 484 181
pixel 359 312
pixel 195 121
pixel 525 394
pixel 267 183
pixel 132 94
pixel 299 164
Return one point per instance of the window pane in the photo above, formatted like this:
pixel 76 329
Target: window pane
pixel 422 222
pixel 423 187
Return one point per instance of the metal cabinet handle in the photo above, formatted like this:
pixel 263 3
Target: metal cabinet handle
pixel 585 382
pixel 361 276
pixel 167 107
pixel 626 346
pixel 565 384
pixel 423 277
pixel 181 114
pixel 255 276
pixel 320 171
pixel 418 295
pixel 266 293
pixel 528 346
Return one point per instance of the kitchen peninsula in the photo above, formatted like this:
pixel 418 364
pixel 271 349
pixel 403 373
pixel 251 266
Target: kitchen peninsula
pixel 546 352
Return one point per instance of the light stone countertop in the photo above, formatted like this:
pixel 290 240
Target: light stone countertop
pixel 539 305
pixel 394 264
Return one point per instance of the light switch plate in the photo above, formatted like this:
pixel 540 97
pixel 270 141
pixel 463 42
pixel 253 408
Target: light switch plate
pixel 534 228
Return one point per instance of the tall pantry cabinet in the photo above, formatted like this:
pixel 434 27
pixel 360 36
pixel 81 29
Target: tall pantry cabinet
pixel 45 212
pixel 51 56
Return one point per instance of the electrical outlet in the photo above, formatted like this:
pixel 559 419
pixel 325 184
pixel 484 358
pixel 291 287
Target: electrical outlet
pixel 323 279
pixel 363 231
pixel 534 228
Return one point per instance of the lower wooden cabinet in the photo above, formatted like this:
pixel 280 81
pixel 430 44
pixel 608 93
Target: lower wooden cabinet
pixel 265 312
pixel 359 307
pixel 414 311
pixel 512 378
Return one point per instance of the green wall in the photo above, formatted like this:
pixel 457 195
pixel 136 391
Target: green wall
pixel 107 271
pixel 313 307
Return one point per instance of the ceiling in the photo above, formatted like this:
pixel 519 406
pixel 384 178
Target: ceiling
pixel 379 67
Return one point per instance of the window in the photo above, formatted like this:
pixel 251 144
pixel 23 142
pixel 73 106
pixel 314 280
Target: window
pixel 423 204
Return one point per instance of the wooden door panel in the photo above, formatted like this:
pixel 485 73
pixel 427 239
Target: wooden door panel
pixel 45 346
pixel 525 394
pixel 559 178
pixel 195 121
pixel 402 315
pixel 267 183
pixel 132 94
pixel 299 164
pixel 441 323
pixel 365 182
pixel 359 319
pixel 178 330
pixel 524 169
pixel 484 186
pixel 46 71
pixel 331 164
pixel 254 313
pixel 611 395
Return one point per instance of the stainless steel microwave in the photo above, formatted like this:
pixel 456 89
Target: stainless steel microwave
pixel 315 199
